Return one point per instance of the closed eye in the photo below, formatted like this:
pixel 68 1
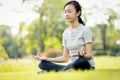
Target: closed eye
pixel 80 38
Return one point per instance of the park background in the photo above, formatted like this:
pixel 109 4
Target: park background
pixel 29 26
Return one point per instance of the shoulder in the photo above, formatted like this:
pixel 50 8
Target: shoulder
pixel 86 29
pixel 66 31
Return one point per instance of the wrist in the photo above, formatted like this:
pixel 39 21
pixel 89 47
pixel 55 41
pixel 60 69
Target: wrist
pixel 46 59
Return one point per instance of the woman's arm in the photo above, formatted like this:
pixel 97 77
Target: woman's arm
pixel 85 51
pixel 88 50
pixel 63 58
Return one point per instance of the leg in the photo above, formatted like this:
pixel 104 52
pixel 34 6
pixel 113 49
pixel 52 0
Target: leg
pixel 67 67
pixel 81 63
pixel 48 66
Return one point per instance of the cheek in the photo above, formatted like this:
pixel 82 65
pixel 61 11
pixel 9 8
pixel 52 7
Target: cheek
pixel 74 15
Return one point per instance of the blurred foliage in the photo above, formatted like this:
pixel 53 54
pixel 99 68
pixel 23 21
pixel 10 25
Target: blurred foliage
pixel 45 32
pixel 3 54
pixel 9 42
pixel 106 35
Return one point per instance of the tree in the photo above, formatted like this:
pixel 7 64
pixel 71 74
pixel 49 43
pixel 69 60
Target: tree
pixel 107 34
pixel 3 53
pixel 8 41
pixel 47 26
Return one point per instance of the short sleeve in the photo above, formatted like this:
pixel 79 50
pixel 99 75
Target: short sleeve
pixel 63 39
pixel 87 36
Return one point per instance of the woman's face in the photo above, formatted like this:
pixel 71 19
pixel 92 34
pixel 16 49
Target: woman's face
pixel 70 13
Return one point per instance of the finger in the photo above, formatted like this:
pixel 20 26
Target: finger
pixel 36 57
pixel 78 53
pixel 38 54
pixel 85 50
pixel 33 56
pixel 82 48
pixel 82 51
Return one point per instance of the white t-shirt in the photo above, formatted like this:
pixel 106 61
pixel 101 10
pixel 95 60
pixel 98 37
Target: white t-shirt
pixel 77 38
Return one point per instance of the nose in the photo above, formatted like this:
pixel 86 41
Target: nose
pixel 66 15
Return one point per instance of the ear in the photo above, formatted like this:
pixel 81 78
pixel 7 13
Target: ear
pixel 78 13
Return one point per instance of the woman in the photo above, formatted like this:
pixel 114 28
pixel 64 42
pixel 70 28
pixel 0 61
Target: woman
pixel 77 43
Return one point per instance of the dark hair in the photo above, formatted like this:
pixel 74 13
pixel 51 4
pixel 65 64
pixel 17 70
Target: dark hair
pixel 77 8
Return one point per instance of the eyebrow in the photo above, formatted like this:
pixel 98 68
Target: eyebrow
pixel 68 10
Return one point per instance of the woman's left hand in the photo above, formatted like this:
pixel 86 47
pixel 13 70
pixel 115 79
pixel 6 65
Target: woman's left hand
pixel 82 52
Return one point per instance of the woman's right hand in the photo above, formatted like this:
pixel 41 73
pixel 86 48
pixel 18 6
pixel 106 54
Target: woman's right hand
pixel 40 57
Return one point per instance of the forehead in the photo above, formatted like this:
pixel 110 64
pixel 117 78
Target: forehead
pixel 69 7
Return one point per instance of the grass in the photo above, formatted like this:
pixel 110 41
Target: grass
pixel 107 68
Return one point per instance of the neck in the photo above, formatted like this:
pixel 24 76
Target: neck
pixel 74 24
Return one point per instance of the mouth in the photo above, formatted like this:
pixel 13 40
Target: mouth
pixel 67 18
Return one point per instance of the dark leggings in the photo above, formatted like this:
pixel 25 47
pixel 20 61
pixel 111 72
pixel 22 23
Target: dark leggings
pixel 80 63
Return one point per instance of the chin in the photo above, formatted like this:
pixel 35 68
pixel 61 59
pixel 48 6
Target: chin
pixel 69 21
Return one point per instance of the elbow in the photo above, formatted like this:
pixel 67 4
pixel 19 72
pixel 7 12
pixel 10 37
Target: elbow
pixel 88 56
pixel 65 59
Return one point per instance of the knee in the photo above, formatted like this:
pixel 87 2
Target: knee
pixel 80 60
pixel 41 65
pixel 81 63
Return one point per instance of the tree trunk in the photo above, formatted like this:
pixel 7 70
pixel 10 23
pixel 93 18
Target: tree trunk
pixel 103 29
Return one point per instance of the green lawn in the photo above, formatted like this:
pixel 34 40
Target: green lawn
pixel 107 68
